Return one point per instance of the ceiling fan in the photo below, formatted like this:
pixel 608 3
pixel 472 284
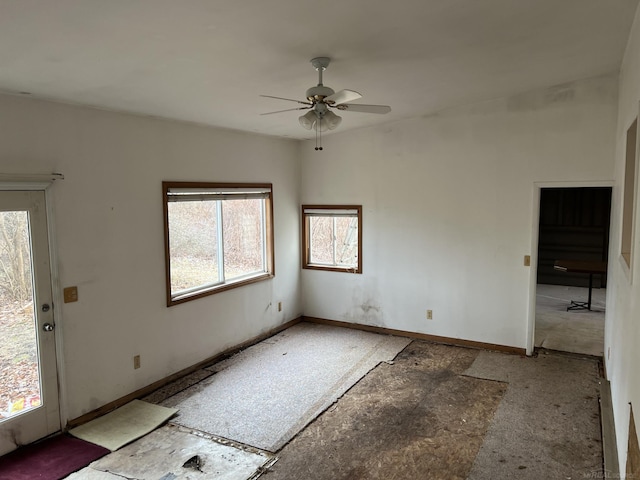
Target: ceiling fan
pixel 320 99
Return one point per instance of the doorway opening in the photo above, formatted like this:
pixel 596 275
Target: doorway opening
pixel 573 245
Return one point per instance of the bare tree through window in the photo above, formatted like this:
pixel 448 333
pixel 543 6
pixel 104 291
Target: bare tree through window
pixel 19 378
pixel 218 236
pixel 332 237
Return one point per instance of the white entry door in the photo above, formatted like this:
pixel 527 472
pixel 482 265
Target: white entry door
pixel 29 405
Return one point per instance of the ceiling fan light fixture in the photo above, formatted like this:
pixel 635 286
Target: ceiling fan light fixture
pixel 321 125
pixel 331 120
pixel 308 119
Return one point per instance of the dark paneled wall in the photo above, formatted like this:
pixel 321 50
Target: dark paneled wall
pixel 574 225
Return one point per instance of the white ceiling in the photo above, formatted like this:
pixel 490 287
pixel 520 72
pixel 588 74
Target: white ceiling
pixel 207 61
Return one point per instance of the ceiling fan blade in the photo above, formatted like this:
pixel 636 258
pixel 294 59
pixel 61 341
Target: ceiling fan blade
pixel 343 96
pixel 287 99
pixel 354 107
pixel 287 110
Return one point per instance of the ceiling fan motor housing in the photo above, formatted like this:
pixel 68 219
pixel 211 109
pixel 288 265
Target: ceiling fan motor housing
pixel 318 93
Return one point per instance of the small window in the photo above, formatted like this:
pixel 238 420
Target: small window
pixel 628 195
pixel 217 237
pixel 332 237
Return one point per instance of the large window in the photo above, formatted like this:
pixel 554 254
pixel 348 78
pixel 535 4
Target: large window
pixel 332 237
pixel 217 236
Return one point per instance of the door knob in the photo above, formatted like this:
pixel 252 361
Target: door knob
pixel 45 307
pixel 48 327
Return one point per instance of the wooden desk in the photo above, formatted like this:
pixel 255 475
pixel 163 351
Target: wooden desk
pixel 582 266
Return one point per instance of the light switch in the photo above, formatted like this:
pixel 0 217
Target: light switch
pixel 70 294
pixel 527 260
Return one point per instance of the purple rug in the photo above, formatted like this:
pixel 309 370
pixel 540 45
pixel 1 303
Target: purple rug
pixel 50 459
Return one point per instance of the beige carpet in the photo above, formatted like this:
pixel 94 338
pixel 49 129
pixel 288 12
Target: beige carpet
pixel 266 394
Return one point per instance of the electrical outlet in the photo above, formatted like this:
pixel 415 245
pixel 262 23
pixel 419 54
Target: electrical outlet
pixel 279 306
pixel 136 362
pixel 429 314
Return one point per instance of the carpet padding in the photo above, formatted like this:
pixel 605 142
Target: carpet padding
pixel 548 423
pixel 124 425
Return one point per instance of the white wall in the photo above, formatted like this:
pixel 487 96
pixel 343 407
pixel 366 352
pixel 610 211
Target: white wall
pixel 448 206
pixel 109 225
pixel 622 333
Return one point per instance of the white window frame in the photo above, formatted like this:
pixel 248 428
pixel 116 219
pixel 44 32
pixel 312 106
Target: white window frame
pixel 194 191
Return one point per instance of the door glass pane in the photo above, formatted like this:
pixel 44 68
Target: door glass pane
pixel 19 372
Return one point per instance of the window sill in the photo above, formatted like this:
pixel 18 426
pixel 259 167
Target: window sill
pixel 332 268
pixel 206 291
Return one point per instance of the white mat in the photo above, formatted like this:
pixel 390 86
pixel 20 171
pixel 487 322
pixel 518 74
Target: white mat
pixel 124 425
pixel 266 394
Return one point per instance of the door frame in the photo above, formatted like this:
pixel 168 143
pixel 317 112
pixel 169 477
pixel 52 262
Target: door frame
pixel 535 230
pixel 43 183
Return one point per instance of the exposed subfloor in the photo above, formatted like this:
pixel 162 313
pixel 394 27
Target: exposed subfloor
pixel 418 418
pixel 435 411
pixel 575 331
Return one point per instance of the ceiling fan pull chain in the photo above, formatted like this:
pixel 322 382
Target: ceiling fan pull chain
pixel 318 135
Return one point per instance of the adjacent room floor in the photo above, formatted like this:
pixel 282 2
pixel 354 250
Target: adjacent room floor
pixel 429 411
pixel 576 331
